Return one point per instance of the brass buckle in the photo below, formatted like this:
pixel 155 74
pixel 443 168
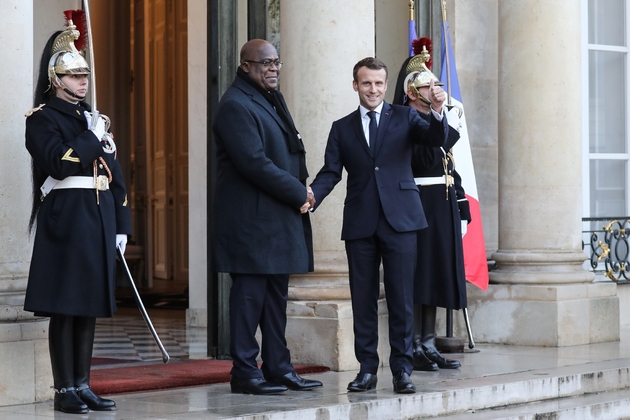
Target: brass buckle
pixel 102 183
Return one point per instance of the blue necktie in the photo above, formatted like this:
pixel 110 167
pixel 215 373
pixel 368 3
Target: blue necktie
pixel 372 132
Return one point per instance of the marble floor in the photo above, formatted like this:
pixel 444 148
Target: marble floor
pixel 492 366
pixel 127 337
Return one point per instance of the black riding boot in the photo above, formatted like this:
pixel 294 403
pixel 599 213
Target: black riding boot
pixel 61 360
pixel 420 360
pixel 83 343
pixel 428 340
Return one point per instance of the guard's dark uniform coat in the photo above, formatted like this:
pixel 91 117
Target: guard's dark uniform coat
pixel 74 255
pixel 440 278
pixel 258 228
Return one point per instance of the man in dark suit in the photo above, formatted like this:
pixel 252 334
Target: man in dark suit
pixel 382 213
pixel 261 229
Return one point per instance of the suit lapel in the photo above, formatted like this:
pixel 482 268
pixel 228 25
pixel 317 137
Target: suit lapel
pixel 386 115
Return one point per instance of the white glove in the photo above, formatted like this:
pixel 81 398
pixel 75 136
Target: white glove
pixel 99 129
pixel 453 118
pixel 464 227
pixel 121 242
pixel 108 143
pixel 88 118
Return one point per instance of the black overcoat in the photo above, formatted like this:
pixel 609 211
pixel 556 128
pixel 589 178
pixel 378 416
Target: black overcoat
pixel 440 277
pixel 72 269
pixel 257 224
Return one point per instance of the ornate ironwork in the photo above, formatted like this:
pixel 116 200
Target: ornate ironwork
pixel 609 247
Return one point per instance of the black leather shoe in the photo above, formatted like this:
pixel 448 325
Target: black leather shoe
pixel 93 401
pixel 67 400
pixel 402 383
pixel 363 382
pixel 421 362
pixel 256 386
pixel 443 363
pixel 295 382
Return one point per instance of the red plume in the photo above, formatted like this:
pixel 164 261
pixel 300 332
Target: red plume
pixel 78 18
pixel 417 48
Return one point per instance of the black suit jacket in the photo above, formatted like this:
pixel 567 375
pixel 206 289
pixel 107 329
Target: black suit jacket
pixel 384 180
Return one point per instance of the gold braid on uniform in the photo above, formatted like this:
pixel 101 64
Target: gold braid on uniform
pixel 447 176
pixel 109 174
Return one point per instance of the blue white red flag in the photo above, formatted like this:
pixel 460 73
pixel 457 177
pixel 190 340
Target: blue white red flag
pixel 474 244
pixel 412 36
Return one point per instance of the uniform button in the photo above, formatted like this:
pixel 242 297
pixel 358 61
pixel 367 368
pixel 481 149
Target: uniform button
pixel 376 169
pixel 100 166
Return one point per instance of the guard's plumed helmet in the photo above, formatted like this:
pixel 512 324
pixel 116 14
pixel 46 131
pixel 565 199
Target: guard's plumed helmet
pixel 66 56
pixel 418 74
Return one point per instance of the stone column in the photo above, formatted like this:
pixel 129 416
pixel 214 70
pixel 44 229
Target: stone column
pixel 320 42
pixel 197 313
pixel 25 374
pixel 540 294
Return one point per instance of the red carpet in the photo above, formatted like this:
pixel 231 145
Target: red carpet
pixel 174 374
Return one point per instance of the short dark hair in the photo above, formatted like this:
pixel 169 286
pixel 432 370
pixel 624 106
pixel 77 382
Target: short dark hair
pixel 370 63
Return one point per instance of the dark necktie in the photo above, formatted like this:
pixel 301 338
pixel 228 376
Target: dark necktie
pixel 372 131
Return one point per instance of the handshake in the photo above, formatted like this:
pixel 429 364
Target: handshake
pixel 310 201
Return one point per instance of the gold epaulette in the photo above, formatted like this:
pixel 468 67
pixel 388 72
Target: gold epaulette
pixel 34 110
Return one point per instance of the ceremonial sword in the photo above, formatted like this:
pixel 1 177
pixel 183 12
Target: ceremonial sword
pixel 143 311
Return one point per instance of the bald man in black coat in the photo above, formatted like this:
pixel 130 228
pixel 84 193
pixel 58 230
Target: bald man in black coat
pixel 261 230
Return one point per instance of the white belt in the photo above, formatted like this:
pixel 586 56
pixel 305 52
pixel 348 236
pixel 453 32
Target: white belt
pixel 101 183
pixel 430 180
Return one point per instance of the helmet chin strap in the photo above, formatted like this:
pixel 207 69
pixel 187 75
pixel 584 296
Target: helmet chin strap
pixel 68 91
pixel 419 96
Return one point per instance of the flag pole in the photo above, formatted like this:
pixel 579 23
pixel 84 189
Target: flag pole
pixel 449 105
pixel 447 58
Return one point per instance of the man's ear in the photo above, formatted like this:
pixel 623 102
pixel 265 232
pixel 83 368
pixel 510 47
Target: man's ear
pixel 355 86
pixel 245 67
pixel 411 95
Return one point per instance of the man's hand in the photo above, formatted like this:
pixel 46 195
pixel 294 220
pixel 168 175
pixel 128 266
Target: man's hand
pixel 310 201
pixel 437 96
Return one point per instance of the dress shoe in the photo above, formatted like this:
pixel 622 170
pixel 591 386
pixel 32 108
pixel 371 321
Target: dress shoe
pixel 256 386
pixel 402 383
pixel 421 362
pixel 443 363
pixel 93 401
pixel 295 382
pixel 68 401
pixel 363 382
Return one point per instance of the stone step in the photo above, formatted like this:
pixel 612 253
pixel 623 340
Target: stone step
pixel 462 398
pixel 606 405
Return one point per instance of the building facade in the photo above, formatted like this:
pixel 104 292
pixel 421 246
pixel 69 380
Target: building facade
pixel 545 87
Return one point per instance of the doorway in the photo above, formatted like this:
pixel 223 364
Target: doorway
pixel 141 52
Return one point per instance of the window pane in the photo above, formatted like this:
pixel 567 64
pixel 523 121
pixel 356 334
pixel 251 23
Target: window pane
pixel 606 22
pixel 607 104
pixel 608 188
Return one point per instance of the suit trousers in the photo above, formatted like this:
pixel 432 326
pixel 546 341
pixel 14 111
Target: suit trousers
pixel 397 250
pixel 259 300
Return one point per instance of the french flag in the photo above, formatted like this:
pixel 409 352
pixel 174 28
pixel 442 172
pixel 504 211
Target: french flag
pixel 474 245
